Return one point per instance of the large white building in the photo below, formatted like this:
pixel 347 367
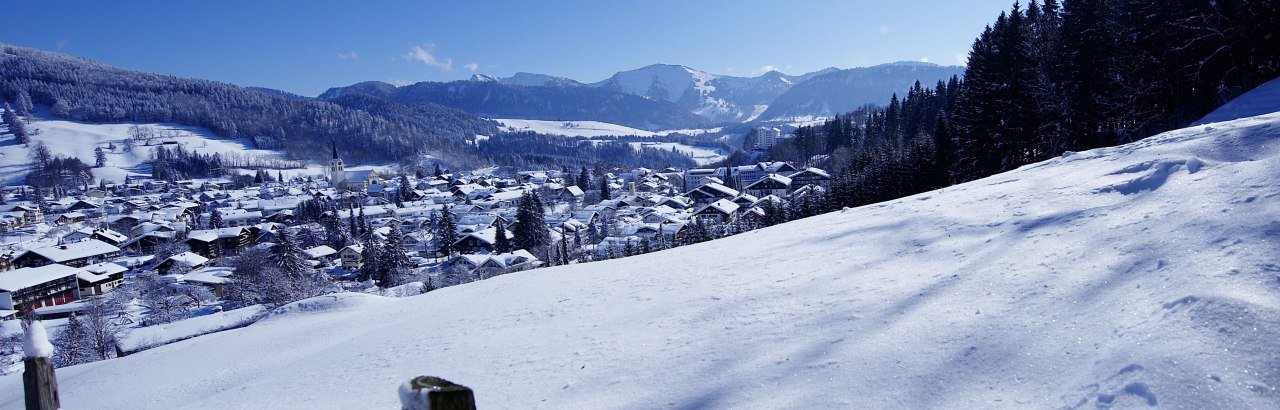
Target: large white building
pixel 767 137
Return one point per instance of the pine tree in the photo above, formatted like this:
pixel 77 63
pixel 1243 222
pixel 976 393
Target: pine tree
pixel 531 231
pixel 447 232
pixel 500 243
pixel 215 219
pixel 370 258
pixel 287 255
pixel 99 157
pixel 604 189
pixel 22 104
pixel 584 179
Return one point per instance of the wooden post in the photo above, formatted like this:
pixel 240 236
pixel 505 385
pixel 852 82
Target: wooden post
pixel 40 384
pixel 434 393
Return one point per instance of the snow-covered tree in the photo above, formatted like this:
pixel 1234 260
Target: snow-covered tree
pixel 73 345
pixel 287 255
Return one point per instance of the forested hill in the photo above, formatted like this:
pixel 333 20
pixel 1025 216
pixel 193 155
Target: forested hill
pixel 84 90
pixel 492 99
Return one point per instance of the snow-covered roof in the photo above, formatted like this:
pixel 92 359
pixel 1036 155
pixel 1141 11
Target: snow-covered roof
pixel 189 258
pixel 213 275
pixel 23 278
pixel 319 251
pixel 75 250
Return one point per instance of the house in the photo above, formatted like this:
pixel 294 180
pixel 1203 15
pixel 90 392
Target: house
pixel 76 254
pixel 479 241
pixel 321 254
pixel 106 235
pixel 711 192
pixel 721 211
pixel 69 218
pixel 100 278
pixel 212 243
pixel 772 184
pixel 810 176
pixel 215 278
pixel 36 287
pixel 350 256
pixel 191 260
pixel 30 213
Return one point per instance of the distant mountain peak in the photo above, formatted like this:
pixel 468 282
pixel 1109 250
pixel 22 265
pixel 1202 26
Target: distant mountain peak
pixel 484 78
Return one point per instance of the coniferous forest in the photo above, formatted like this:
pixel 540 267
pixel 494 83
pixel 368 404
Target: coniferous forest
pixel 1044 79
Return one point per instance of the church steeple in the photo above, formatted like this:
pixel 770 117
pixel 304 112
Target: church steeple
pixel 337 173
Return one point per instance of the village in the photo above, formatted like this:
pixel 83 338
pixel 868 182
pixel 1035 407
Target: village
pixel 434 229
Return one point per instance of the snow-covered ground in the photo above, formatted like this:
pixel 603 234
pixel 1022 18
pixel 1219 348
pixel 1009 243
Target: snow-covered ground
pixel 77 139
pixel 700 155
pixel 589 129
pixel 1132 276
pixel 143 337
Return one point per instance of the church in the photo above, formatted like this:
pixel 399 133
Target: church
pixel 352 181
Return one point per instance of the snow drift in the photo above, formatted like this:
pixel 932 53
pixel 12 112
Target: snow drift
pixel 1133 276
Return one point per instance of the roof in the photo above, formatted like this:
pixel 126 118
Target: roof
pixel 23 278
pixel 319 251
pixel 189 258
pixel 75 250
pixel 771 178
pixel 723 205
pixel 213 276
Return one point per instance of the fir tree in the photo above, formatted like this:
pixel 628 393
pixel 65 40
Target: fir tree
pixel 370 258
pixel 500 243
pixel 215 219
pixel 287 255
pixel 99 157
pixel 531 231
pixel 604 189
pixel 447 232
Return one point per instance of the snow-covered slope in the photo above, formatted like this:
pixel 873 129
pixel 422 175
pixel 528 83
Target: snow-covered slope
pixel 1261 100
pixel 78 139
pixel 1131 276
pixel 588 128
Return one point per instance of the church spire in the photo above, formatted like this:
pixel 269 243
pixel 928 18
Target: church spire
pixel 334 145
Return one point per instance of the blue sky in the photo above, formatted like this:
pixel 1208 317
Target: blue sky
pixel 306 47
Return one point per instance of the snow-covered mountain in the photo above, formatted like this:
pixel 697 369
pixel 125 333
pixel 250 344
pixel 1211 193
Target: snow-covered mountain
pixel 722 99
pixel 539 80
pixel 843 91
pixel 715 97
pixel 1132 276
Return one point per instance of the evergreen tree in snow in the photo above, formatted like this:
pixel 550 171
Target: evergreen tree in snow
pixel 287 255
pixel 446 232
pixel 500 243
pixel 215 219
pixel 604 189
pixel 531 231
pixel 99 157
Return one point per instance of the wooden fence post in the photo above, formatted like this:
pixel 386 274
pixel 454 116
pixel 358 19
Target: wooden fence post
pixel 39 386
pixel 434 393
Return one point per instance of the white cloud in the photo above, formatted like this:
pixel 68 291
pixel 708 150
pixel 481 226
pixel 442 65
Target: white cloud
pixel 884 29
pixel 473 67
pixel 962 58
pixel 423 53
pixel 768 68
pixel 350 55
pixel 924 59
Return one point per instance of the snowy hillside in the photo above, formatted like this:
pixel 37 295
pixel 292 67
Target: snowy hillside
pixel 1133 276
pixel 77 139
pixel 588 128
pixel 1261 100
pixel 591 129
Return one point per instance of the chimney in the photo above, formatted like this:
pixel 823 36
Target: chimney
pixel 632 185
